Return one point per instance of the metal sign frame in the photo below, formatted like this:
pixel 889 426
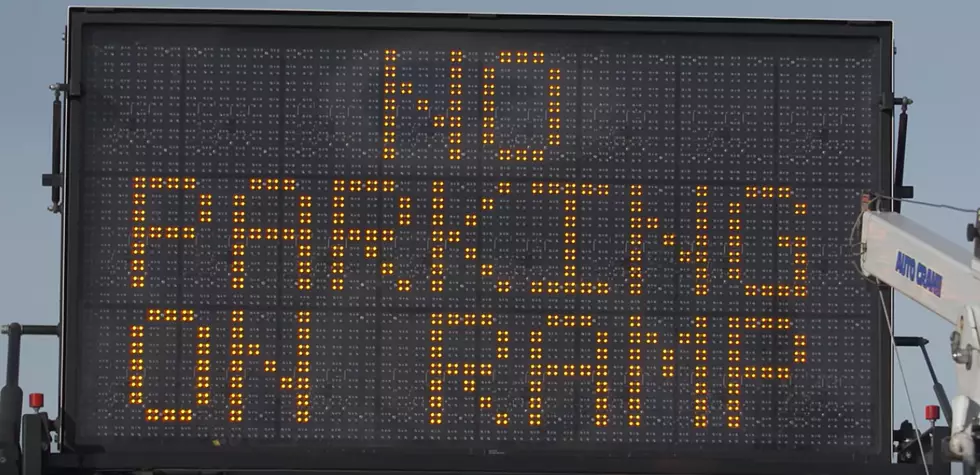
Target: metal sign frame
pixel 80 18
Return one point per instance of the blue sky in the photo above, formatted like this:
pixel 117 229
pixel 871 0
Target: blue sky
pixel 936 65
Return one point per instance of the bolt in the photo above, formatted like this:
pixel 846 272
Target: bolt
pixel 5 329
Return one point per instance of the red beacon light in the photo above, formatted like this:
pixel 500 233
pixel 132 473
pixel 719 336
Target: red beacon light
pixel 36 401
pixel 932 413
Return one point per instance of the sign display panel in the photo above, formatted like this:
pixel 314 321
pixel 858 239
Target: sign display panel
pixel 472 240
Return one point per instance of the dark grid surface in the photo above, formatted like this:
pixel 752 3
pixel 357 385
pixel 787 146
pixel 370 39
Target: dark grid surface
pixel 687 127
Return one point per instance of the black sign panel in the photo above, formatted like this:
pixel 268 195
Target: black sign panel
pixel 465 236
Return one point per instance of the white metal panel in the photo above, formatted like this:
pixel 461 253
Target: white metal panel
pixel 885 235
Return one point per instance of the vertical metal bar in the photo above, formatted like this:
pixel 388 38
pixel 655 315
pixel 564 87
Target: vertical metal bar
pixel 976 236
pixel 903 126
pixel 56 150
pixel 11 401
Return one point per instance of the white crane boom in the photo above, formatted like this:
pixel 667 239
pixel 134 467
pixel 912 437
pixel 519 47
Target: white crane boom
pixel 944 278
pixel 919 263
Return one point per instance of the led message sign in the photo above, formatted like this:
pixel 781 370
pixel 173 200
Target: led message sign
pixel 389 237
